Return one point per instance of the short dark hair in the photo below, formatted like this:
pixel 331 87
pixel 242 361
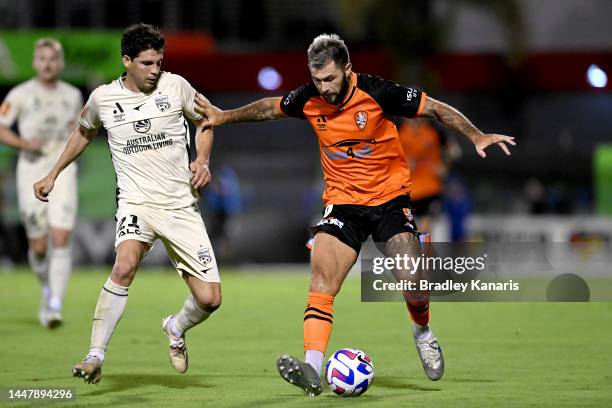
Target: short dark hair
pixel 326 48
pixel 141 37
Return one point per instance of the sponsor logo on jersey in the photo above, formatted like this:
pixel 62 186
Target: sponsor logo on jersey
pixel 204 256
pixel 321 123
pixel 411 94
pixel 162 103
pixel 350 149
pixel 361 119
pixel 142 126
pixel 118 114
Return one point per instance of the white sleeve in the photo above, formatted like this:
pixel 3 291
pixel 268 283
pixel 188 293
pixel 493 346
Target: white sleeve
pixel 9 110
pixel 187 94
pixel 90 116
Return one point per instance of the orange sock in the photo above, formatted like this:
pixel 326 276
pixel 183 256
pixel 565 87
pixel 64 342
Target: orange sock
pixel 419 312
pixel 318 321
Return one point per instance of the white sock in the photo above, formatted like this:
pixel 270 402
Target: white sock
pixel 111 304
pixel 315 359
pixel 60 268
pixel 95 352
pixel 40 266
pixel 421 332
pixel 191 314
pixel 173 328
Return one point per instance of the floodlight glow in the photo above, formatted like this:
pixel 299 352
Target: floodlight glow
pixel 269 78
pixel 596 76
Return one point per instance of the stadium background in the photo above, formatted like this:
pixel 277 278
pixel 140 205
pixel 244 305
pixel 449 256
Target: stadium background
pixel 517 67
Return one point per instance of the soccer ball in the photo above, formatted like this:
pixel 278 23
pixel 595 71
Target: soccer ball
pixel 349 372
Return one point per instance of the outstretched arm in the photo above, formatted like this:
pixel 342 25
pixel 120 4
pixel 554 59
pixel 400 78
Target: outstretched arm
pixel 258 111
pixel 78 141
pixel 455 120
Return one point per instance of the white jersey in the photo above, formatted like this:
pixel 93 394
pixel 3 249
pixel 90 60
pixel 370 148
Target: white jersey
pixel 148 138
pixel 49 115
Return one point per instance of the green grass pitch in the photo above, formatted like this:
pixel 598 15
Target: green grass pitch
pixel 497 354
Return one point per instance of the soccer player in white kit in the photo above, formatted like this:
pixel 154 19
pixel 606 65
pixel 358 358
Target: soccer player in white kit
pixel 46 109
pixel 144 112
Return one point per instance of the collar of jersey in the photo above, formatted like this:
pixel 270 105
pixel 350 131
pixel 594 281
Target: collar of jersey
pixel 353 88
pixel 124 88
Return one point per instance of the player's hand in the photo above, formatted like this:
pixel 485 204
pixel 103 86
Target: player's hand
pixel 484 141
pixel 201 173
pixel 212 114
pixel 32 146
pixel 43 187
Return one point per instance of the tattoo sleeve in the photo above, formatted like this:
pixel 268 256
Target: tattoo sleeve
pixel 451 118
pixel 258 111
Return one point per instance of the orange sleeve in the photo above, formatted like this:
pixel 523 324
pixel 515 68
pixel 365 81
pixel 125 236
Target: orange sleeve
pixel 421 104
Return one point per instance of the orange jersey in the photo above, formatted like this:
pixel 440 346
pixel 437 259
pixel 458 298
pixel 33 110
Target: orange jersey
pixel 361 153
pixel 422 145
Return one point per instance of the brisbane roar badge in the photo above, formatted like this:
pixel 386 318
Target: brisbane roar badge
pixel 361 119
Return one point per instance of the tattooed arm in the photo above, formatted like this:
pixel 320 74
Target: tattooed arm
pixel 258 111
pixel 455 120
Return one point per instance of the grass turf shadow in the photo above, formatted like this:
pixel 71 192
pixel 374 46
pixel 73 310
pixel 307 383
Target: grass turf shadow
pixel 123 382
pixel 396 382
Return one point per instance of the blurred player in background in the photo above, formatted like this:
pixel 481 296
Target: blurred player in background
pixel 46 110
pixel 144 113
pixel 367 186
pixel 429 153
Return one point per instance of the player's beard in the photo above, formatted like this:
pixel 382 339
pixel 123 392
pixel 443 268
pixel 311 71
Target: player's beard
pixel 339 97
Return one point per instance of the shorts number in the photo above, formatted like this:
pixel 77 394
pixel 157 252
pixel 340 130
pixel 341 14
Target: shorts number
pixel 129 228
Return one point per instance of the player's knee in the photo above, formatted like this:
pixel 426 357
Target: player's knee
pixel 39 248
pixel 60 240
pixel 124 270
pixel 208 301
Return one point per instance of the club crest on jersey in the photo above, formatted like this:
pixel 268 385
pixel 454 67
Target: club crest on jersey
pixel 162 103
pixel 142 126
pixel 408 214
pixel 204 256
pixel 361 119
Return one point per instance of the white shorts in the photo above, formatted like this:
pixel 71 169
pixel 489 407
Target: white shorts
pixel 182 231
pixel 61 210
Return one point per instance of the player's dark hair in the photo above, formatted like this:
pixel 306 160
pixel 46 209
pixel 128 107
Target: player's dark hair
pixel 326 48
pixel 141 37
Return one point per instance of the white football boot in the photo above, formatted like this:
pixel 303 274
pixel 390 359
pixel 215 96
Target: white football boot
pixel 178 348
